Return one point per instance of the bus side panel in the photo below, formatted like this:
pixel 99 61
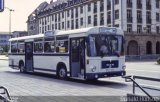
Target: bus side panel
pixel 14 60
pixel 49 63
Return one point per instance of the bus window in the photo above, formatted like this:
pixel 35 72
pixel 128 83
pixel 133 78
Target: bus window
pixel 14 47
pixel 38 47
pixel 20 46
pixel 62 45
pixel 105 45
pixel 49 45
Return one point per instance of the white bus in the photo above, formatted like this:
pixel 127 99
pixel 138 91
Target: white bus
pixel 88 53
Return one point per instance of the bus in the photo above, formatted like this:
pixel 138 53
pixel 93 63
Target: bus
pixel 86 53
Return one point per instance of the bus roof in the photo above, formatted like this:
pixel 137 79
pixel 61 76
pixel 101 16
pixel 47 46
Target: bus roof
pixel 75 33
pixel 27 37
pixel 89 30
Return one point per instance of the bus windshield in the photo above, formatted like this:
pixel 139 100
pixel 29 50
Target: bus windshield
pixel 105 45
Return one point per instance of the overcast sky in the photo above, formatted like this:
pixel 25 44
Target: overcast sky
pixel 19 17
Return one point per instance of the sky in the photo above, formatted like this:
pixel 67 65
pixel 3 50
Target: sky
pixel 22 9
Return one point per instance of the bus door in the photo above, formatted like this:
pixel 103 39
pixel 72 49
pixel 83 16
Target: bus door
pixel 29 56
pixel 77 57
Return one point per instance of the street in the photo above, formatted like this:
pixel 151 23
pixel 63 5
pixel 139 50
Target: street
pixel 19 84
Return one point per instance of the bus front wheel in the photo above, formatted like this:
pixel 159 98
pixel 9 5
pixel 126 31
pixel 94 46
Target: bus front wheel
pixel 62 72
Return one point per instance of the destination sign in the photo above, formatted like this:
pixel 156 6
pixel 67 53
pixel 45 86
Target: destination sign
pixel 49 33
pixel 107 30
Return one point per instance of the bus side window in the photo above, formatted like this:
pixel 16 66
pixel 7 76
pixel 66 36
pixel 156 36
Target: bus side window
pixel 62 45
pixel 14 47
pixel 49 44
pixel 21 47
pixel 38 47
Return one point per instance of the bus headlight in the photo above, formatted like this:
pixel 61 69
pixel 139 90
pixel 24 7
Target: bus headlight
pixel 124 67
pixel 93 68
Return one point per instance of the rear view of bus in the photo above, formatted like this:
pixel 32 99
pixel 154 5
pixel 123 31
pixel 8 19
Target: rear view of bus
pixel 105 50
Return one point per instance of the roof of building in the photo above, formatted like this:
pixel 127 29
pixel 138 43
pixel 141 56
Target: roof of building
pixel 55 3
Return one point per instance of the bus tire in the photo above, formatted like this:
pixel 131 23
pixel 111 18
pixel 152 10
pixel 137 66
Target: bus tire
pixel 62 72
pixel 22 67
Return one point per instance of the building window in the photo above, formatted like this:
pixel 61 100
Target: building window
pixel 95 7
pixel 157 3
pixel 148 15
pixel 117 14
pixel 77 24
pixel 45 22
pixel 62 14
pixel 52 17
pixel 52 26
pixel 102 5
pixel 139 28
pixel 89 7
pixel 76 12
pixel 148 4
pixel 139 4
pixel 48 27
pixel 129 28
pixel 68 13
pixel 59 26
pixel 129 3
pixel 56 26
pixel 89 19
pixel 81 9
pixel 81 21
pixel 157 29
pixel 55 17
pixel 157 17
pixel 149 47
pixel 129 16
pixel 148 29
pixel 72 13
pixel 39 21
pixel 62 25
pixel 108 4
pixel 68 24
pixel 139 16
pixel 95 20
pixel 109 18
pixel 116 2
pixel 117 25
pixel 43 29
pixel 59 17
pixel 102 19
pixel 72 24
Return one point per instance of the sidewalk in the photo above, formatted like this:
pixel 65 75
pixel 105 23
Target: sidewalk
pixel 3 57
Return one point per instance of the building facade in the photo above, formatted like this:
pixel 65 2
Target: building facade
pixel 19 34
pixel 140 20
pixel 4 37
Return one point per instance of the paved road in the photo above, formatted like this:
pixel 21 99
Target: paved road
pixel 37 84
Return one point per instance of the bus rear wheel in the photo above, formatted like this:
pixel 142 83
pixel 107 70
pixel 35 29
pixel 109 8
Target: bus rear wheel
pixel 62 72
pixel 22 68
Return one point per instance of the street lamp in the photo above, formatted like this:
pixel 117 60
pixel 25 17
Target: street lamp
pixel 10 23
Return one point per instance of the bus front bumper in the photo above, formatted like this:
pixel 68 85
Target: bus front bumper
pixel 106 74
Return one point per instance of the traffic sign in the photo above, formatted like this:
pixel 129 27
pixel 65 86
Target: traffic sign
pixel 1 5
